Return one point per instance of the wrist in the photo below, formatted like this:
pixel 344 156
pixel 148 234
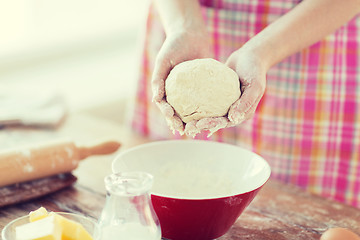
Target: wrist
pixel 196 34
pixel 192 25
pixel 190 33
pixel 180 15
pixel 260 52
pixel 255 56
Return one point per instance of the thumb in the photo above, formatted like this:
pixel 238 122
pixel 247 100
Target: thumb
pixel 161 71
pixel 246 105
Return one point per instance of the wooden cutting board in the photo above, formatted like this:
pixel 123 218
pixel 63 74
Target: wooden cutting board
pixel 22 192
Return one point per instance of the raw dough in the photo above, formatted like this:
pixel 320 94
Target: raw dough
pixel 201 88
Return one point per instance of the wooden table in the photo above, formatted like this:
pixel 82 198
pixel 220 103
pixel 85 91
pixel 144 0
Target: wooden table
pixel 278 212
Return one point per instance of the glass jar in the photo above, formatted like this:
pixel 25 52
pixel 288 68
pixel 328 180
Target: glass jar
pixel 128 212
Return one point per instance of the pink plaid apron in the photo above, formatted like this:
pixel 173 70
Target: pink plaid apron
pixel 307 125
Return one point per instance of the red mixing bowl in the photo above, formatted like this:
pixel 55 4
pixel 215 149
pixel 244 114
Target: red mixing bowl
pixel 200 187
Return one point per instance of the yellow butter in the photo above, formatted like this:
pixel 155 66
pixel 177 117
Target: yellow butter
pixel 38 214
pixel 72 230
pixel 51 226
pixel 82 234
pixel 48 228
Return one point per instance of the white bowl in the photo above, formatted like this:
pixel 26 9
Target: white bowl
pixel 200 187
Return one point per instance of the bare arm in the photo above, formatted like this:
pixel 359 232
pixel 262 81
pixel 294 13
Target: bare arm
pixel 179 15
pixel 307 23
pixel 186 39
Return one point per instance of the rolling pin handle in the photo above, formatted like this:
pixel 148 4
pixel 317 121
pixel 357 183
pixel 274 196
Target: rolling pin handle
pixel 100 149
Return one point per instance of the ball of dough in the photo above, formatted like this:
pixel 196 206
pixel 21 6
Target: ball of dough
pixel 201 88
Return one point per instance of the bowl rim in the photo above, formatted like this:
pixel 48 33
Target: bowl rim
pixel 87 218
pixel 174 141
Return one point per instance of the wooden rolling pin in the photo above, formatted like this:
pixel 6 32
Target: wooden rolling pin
pixel 42 160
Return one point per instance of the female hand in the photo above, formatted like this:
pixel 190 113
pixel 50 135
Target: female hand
pixel 178 47
pixel 251 70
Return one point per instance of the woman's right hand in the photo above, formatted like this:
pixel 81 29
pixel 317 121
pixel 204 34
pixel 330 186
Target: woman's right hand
pixel 178 47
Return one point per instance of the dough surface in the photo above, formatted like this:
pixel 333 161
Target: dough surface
pixel 201 88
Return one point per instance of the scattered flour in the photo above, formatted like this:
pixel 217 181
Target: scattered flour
pixel 69 152
pixel 25 153
pixel 28 168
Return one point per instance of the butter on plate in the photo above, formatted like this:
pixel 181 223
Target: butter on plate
pixel 51 226
pixel 48 228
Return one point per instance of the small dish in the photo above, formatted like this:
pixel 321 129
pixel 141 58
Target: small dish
pixel 9 233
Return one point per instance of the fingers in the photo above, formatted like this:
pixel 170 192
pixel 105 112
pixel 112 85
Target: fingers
pixel 244 108
pixel 214 123
pixel 191 129
pixel 175 124
pixel 158 89
pixel 161 71
pixel 173 121
pixel 211 124
pixel 251 70
pixel 165 108
pixel 230 62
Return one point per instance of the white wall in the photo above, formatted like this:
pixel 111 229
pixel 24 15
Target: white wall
pixel 86 49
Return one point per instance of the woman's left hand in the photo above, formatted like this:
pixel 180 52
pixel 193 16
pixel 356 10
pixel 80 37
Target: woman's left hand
pixel 252 76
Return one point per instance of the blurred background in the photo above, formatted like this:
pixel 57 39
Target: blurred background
pixel 85 50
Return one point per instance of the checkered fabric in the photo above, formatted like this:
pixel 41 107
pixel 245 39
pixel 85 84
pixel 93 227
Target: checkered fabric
pixel 307 125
